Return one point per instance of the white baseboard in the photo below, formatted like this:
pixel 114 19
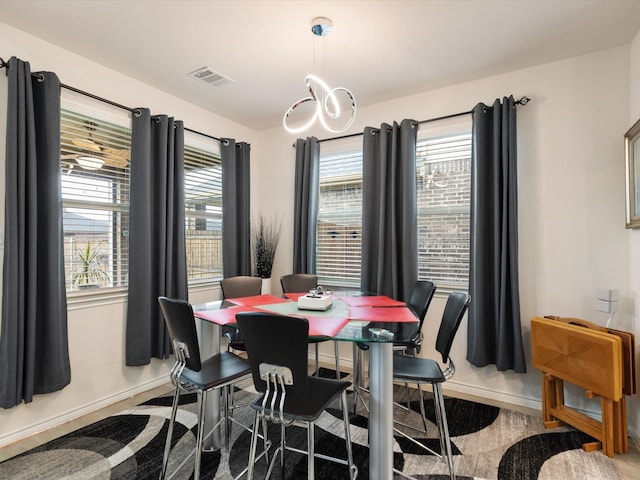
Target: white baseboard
pixel 456 387
pixel 79 412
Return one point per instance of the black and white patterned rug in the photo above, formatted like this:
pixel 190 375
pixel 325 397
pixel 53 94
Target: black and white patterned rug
pixel 488 443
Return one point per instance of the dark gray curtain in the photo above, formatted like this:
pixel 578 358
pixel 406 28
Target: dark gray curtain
pixel 236 220
pixel 305 215
pixel 389 212
pixel 157 251
pixel 494 333
pixel 34 353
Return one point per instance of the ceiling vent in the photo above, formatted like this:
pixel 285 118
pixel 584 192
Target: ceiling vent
pixel 208 76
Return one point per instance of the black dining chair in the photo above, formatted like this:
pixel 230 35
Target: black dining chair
pixel 419 302
pixel 298 282
pixel 424 370
pixel 240 286
pixel 190 373
pixel 289 395
pixel 303 282
pixel 237 287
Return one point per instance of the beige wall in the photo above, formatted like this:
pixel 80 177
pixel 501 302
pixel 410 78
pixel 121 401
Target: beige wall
pixel 571 211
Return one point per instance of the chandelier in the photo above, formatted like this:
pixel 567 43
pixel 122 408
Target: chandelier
pixel 334 108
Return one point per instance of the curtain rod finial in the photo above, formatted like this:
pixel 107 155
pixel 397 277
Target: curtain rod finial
pixel 3 63
pixel 523 101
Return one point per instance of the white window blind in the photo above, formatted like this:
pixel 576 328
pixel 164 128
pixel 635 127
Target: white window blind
pixel 203 207
pixel 95 153
pixel 338 248
pixel 443 166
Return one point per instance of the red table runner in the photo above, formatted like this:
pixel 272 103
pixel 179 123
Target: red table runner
pixel 382 314
pixel 324 326
pixel 371 301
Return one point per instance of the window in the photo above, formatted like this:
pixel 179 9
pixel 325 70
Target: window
pixel 203 205
pixel 443 164
pixel 95 153
pixel 95 150
pixel 338 244
pixel 443 172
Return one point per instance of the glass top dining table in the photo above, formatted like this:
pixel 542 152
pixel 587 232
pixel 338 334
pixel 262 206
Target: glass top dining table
pixel 353 317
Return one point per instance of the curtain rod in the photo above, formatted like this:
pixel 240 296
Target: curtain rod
pixel 521 101
pixel 453 115
pixel 134 111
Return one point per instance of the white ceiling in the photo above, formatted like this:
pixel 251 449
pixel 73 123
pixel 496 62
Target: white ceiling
pixel 380 50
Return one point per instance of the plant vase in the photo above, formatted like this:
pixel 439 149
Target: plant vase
pixel 266 286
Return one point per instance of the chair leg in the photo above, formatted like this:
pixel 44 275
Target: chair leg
pixel 406 386
pixel 167 445
pixel 265 440
pixel 438 413
pixel 353 470
pixel 252 449
pixel 357 374
pixel 311 474
pixel 202 397
pixel 283 446
pixel 444 427
pixel 227 418
pixel 422 412
pixel 358 377
pixel 336 352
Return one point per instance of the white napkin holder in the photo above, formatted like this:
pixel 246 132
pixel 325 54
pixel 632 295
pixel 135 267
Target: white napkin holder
pixel 316 299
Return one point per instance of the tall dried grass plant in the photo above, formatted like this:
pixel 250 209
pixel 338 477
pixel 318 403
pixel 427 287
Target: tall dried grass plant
pixel 265 236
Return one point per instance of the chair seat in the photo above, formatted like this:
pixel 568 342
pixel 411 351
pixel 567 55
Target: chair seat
pixel 216 371
pixel 322 391
pixel 419 370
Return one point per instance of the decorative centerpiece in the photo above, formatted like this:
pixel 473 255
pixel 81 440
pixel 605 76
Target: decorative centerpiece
pixel 316 299
pixel 265 236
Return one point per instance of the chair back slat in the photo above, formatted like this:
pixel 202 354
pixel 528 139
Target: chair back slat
pixel 454 310
pixel 277 340
pixel 178 316
pixel 276 378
